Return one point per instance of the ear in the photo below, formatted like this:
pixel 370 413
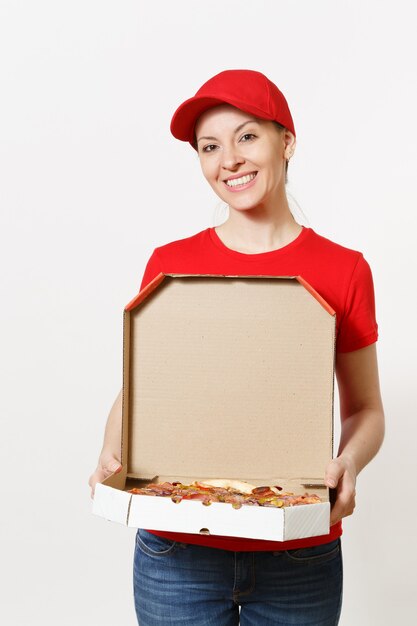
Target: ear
pixel 290 143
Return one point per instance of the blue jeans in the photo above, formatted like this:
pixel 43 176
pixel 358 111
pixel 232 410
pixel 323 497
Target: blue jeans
pixel 185 584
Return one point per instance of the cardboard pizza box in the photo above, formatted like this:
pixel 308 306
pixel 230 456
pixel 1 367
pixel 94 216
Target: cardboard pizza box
pixel 225 377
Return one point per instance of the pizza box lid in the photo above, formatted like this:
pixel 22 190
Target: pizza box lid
pixel 228 377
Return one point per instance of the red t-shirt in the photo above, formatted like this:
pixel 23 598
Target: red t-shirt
pixel 341 275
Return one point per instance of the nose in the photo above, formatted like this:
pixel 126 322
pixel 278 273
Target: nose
pixel 231 157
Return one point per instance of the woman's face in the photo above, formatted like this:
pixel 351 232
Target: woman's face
pixel 242 156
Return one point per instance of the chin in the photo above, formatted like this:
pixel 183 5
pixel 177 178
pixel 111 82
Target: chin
pixel 244 208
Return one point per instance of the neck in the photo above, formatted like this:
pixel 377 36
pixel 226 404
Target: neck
pixel 259 230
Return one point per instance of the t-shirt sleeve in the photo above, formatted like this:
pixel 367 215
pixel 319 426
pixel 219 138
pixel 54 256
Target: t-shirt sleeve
pixel 152 269
pixel 358 327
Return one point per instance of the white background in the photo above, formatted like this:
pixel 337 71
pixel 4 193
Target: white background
pixel 92 181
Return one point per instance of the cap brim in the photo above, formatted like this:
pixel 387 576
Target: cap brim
pixel 185 117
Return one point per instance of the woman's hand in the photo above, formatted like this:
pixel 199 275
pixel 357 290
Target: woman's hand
pixel 108 464
pixel 341 476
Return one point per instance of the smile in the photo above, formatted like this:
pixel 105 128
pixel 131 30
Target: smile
pixel 240 183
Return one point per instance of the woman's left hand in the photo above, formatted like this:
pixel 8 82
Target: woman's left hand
pixel 341 475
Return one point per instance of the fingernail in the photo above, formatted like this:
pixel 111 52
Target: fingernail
pixel 331 482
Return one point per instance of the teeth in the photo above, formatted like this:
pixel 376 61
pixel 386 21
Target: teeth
pixel 240 181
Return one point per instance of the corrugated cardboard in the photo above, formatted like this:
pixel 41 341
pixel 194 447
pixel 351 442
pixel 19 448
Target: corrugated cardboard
pixel 225 377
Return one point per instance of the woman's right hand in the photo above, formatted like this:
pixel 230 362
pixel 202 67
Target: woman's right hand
pixel 108 464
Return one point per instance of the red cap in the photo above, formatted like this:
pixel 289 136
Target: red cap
pixel 247 90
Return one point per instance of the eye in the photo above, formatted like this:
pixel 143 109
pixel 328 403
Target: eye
pixel 211 145
pixel 248 135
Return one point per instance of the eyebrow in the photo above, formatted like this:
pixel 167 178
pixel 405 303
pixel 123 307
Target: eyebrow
pixel 237 129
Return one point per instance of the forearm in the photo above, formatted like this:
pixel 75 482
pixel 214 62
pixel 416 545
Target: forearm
pixel 362 416
pixel 110 456
pixel 362 436
pixel 113 430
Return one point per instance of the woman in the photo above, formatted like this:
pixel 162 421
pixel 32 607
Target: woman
pixel 241 127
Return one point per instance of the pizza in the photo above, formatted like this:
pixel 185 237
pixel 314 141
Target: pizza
pixel 235 492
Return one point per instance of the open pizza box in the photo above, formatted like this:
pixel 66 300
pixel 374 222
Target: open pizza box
pixel 225 377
